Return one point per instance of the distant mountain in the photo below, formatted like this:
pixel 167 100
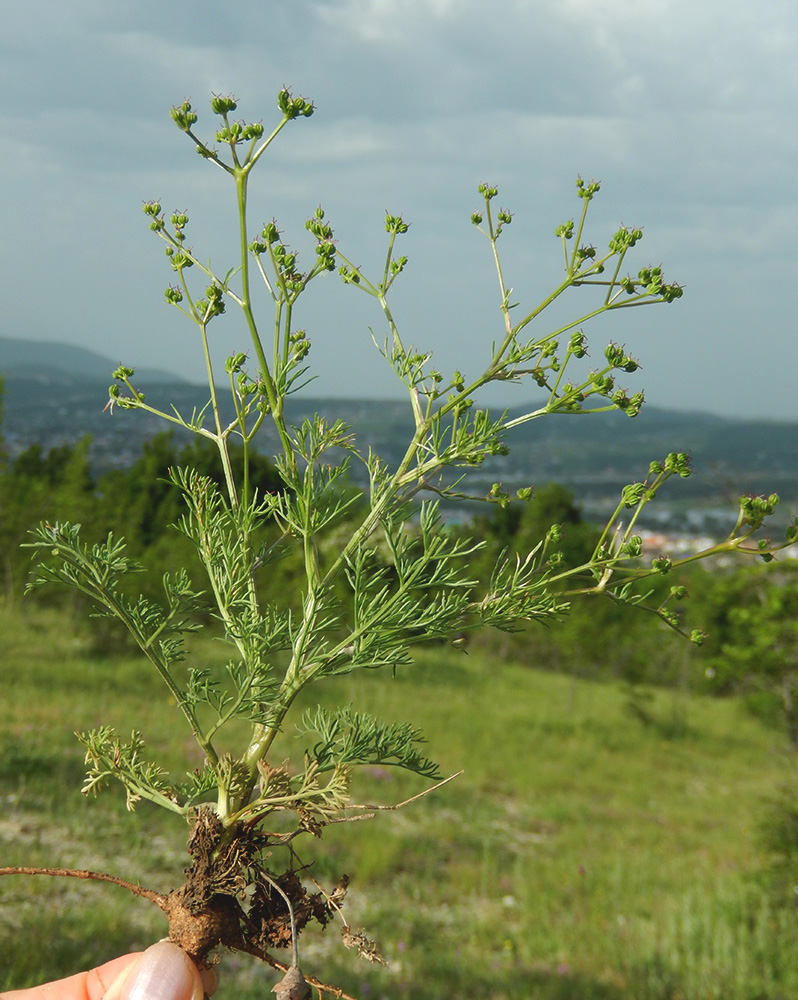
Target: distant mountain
pixel 55 394
pixel 44 360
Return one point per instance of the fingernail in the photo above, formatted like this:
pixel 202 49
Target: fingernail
pixel 164 972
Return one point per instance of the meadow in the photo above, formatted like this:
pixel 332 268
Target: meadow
pixel 587 851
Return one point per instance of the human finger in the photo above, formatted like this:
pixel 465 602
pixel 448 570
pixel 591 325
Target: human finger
pixel 163 972
pixel 84 986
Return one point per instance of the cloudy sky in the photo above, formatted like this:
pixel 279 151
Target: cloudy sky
pixel 685 110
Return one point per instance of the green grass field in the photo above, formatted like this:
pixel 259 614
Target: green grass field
pixel 582 853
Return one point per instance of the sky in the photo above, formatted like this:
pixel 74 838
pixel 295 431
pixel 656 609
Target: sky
pixel 685 110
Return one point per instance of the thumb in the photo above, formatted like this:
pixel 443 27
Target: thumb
pixel 163 972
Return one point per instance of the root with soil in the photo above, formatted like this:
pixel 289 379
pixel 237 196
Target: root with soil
pixel 230 899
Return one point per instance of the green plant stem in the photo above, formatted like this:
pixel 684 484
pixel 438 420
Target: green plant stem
pixel 578 237
pixel 220 437
pixel 107 599
pixel 264 734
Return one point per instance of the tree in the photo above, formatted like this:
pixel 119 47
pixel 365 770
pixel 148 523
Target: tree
pixel 39 485
pixel 752 618
pixel 5 525
pixel 519 527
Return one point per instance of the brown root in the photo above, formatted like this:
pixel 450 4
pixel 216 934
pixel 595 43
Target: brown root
pixel 207 911
pixel 156 897
pixel 229 899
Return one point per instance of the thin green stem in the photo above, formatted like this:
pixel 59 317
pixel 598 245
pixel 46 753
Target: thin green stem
pixel 614 277
pixel 578 237
pixel 96 588
pixel 498 264
pixel 220 437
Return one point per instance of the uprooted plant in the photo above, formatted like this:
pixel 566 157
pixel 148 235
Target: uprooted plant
pixel 381 571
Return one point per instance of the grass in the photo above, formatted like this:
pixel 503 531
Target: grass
pixel 585 852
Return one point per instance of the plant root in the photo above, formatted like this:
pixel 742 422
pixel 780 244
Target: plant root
pixel 156 897
pixel 206 912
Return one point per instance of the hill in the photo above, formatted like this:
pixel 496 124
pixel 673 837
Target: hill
pixel 44 361
pixel 56 393
pixel 583 853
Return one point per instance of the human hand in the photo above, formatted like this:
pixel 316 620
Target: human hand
pixel 162 972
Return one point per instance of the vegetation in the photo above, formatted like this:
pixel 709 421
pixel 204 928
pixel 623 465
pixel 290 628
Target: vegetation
pixel 581 853
pixel 376 574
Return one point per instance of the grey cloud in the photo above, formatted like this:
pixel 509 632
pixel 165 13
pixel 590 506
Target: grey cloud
pixel 684 110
